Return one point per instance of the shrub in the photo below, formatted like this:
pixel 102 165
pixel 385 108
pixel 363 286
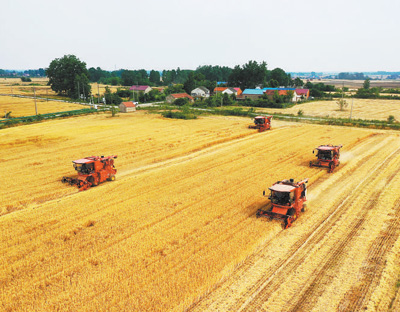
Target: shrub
pixel 181 101
pixel 391 119
pixel 178 115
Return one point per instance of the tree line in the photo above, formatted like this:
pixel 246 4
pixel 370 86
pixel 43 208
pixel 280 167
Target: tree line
pixel 69 76
pixel 41 72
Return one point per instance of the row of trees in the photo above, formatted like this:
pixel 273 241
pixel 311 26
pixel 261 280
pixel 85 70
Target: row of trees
pixel 351 76
pixel 69 76
pixel 30 72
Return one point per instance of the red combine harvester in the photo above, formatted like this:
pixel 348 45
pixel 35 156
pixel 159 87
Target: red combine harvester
pixel 287 200
pixel 92 171
pixel 328 156
pixel 261 123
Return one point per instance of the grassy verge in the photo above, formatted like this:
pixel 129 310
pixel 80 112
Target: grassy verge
pixel 11 122
pixel 362 123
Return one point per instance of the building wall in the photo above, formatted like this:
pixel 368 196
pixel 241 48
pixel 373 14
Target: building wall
pixel 124 109
pixel 249 96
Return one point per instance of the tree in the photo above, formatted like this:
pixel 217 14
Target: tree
pixel 190 83
pixel 390 119
pixel 129 78
pixel 155 77
pixel 69 76
pixel 249 75
pixel 280 75
pixel 273 83
pixel 112 98
pixel 366 84
pixel 177 88
pixel 298 82
pixel 342 104
pixel 114 111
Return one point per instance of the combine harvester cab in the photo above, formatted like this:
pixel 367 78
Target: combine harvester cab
pixel 92 171
pixel 328 156
pixel 261 123
pixel 287 201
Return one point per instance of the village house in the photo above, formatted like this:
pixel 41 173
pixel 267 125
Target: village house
pixel 252 94
pixel 271 92
pixel 298 94
pixel 127 107
pixel 235 91
pixel 144 89
pixel 220 89
pixel 172 97
pixel 200 92
pixel 302 94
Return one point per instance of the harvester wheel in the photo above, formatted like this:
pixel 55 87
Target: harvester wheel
pixel 291 212
pixel 310 163
pixel 331 167
pixel 111 178
pixel 304 209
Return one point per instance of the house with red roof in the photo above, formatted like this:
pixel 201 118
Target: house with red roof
pixel 220 89
pixel 172 97
pixel 270 93
pixel 144 89
pixel 302 94
pixel 235 91
pixel 126 107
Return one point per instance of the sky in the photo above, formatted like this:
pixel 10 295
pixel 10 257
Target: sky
pixel 307 35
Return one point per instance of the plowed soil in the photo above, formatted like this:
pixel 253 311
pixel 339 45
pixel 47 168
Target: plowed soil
pixel 177 230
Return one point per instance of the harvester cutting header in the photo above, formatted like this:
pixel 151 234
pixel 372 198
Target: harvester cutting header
pixel 328 156
pixel 92 171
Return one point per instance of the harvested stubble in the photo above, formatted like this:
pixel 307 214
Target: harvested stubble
pixel 362 109
pixel 20 107
pixel 178 219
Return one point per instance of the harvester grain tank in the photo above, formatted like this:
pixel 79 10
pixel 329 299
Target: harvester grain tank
pixel 92 171
pixel 261 123
pixel 327 156
pixel 287 201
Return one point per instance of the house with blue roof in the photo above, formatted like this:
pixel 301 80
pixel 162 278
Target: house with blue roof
pixel 252 94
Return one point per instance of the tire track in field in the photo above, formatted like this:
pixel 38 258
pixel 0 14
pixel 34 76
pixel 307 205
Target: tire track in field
pixel 305 243
pixel 85 214
pixel 283 272
pixel 216 240
pixel 203 150
pixel 322 277
pixel 357 298
pixel 168 216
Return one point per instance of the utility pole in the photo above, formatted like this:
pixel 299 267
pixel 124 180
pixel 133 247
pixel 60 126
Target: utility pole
pixel 343 91
pixel 351 109
pixel 34 94
pixel 98 94
pixel 79 93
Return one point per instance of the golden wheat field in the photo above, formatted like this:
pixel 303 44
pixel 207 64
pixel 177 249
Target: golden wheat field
pixel 26 106
pixel 362 109
pixel 177 230
pixel 17 87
